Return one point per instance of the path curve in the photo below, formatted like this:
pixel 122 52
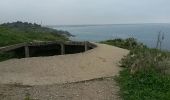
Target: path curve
pixel 101 61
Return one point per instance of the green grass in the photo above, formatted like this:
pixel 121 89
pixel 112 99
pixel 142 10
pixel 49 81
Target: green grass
pixel 26 33
pixel 6 56
pixel 129 43
pixel 144 85
pixel 20 32
pixel 144 76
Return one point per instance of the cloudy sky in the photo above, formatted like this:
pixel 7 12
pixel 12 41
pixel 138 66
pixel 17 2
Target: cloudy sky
pixel 62 12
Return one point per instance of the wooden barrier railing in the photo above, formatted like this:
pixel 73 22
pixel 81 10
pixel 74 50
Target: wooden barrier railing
pixel 12 47
pixel 26 46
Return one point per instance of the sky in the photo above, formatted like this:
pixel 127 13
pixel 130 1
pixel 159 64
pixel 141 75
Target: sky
pixel 78 12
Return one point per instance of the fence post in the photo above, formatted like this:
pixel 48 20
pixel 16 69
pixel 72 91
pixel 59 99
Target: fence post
pixel 86 45
pixel 62 48
pixel 27 53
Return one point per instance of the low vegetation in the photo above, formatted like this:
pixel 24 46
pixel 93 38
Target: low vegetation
pixel 129 43
pixel 146 71
pixel 20 32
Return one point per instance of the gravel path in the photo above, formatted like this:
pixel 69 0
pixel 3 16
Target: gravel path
pixel 100 89
pixel 96 63
pixel 64 77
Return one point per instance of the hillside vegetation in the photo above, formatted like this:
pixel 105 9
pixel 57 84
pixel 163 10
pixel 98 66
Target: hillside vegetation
pixel 18 32
pixel 146 74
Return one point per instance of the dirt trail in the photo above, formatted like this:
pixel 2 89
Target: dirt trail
pixel 96 63
pixel 100 89
pixel 51 78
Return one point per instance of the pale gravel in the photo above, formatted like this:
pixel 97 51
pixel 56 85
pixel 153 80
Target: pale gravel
pixel 101 61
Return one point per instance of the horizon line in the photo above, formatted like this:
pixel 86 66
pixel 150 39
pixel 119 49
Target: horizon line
pixel 101 24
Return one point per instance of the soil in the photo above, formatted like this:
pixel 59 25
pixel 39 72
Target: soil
pixel 66 77
pixel 96 63
pixel 98 89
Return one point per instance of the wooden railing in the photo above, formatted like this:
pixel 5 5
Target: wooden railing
pixel 86 45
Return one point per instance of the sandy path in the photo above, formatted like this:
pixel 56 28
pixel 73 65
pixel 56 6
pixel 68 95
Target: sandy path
pixel 100 89
pixel 99 62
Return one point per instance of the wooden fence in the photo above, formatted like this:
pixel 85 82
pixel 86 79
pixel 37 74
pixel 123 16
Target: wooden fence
pixel 26 46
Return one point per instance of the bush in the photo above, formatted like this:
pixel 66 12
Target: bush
pixel 144 85
pixel 141 57
pixel 5 56
pixel 144 76
pixel 19 32
pixel 144 59
pixel 129 43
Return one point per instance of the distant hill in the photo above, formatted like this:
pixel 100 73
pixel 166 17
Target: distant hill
pixel 18 32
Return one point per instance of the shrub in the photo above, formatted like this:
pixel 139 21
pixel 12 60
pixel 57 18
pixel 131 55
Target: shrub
pixel 144 85
pixel 141 57
pixel 144 59
pixel 143 77
pixel 129 43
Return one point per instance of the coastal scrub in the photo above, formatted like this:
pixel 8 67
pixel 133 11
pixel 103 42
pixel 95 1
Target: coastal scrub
pixel 146 71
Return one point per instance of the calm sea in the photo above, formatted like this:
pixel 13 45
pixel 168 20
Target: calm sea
pixel 146 33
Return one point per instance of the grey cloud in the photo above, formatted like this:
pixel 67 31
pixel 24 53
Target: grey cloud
pixel 85 11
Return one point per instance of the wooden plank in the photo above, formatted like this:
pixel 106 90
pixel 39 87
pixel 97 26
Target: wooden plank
pixel 11 47
pixel 74 43
pixel 48 43
pixel 42 43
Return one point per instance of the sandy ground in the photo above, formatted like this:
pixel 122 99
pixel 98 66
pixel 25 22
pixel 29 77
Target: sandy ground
pixel 98 89
pixel 64 77
pixel 96 63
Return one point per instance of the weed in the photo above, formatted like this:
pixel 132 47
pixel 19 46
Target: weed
pixel 143 77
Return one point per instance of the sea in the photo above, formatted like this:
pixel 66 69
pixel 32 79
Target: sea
pixel 145 33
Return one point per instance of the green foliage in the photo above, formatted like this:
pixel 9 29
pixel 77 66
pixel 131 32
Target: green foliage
pixel 145 58
pixel 144 76
pixel 129 43
pixel 141 57
pixel 27 96
pixel 5 56
pixel 144 85
pixel 18 32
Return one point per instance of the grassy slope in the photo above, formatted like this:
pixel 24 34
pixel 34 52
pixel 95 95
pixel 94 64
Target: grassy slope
pixel 19 32
pixel 144 85
pixel 143 77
